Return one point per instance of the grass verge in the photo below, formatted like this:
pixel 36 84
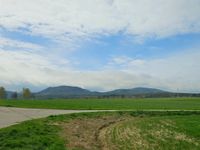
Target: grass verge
pixel 112 104
pixel 106 130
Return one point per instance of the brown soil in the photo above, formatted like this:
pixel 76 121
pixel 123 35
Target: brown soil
pixel 116 132
pixel 84 133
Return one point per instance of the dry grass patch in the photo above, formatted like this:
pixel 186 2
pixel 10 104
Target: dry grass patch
pixel 126 132
pixel 120 136
pixel 84 133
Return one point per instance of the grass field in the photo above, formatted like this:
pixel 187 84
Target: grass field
pixel 125 130
pixel 111 131
pixel 117 104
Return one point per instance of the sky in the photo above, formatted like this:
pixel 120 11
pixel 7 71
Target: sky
pixel 100 44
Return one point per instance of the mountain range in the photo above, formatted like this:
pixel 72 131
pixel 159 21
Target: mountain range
pixel 77 92
pixel 71 91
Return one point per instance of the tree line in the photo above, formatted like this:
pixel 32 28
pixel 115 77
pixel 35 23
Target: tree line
pixel 26 94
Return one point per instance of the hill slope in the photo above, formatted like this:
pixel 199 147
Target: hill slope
pixel 77 92
pixel 135 91
pixel 63 91
pixel 71 91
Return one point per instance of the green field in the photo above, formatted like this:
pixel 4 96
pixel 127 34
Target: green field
pixel 152 128
pixel 111 130
pixel 114 104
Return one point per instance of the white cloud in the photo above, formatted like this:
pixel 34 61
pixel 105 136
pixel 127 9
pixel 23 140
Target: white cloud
pixel 67 20
pixel 16 44
pixel 124 62
pixel 22 66
pixel 181 71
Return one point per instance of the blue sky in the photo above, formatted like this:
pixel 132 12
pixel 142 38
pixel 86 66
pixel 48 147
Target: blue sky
pixel 100 44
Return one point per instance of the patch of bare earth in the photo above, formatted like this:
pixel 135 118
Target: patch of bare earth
pixel 122 136
pixel 120 133
pixel 128 136
pixel 84 133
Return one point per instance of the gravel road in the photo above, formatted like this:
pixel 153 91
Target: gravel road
pixel 11 115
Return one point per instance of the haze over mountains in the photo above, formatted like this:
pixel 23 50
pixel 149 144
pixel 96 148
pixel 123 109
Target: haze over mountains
pixel 72 91
pixel 64 91
pixel 78 92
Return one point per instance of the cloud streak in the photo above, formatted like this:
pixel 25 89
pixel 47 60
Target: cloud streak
pixel 68 20
pixel 69 23
pixel 16 44
pixel 180 71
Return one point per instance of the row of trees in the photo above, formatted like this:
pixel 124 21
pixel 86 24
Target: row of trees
pixel 26 93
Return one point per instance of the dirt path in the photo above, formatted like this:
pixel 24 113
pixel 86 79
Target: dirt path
pixel 11 115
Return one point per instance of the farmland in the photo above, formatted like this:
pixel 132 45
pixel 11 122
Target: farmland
pixel 109 104
pixel 111 130
pixel 151 123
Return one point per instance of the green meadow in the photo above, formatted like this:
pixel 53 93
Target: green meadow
pixel 112 130
pixel 145 123
pixel 112 103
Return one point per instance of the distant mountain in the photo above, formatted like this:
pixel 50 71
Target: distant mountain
pixel 71 91
pixel 77 92
pixel 64 92
pixel 135 91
